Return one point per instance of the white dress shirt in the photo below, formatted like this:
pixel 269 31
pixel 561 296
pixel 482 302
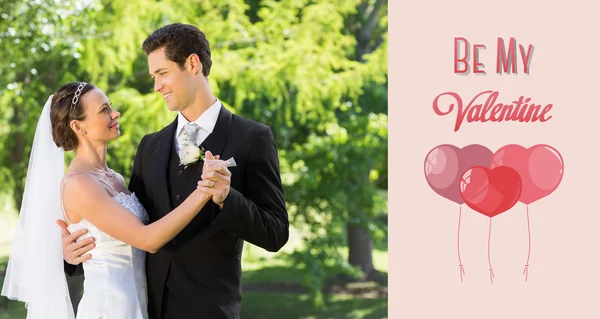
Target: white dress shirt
pixel 206 122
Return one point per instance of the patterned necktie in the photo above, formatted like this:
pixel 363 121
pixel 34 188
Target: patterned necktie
pixel 188 135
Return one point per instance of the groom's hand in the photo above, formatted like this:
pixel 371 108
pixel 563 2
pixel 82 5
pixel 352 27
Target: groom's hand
pixel 73 252
pixel 216 179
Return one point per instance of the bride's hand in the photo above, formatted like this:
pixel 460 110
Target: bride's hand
pixel 216 179
pixel 208 156
pixel 209 163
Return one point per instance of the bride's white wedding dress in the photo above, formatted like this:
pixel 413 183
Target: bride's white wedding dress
pixel 115 276
pixel 115 281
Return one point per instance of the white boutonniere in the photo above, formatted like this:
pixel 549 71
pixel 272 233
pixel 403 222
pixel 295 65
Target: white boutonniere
pixel 190 154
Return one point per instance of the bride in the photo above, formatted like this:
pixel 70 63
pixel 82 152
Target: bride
pixel 79 117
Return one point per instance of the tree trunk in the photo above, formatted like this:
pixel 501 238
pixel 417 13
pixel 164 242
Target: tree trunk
pixel 18 124
pixel 17 152
pixel 360 249
pixel 360 245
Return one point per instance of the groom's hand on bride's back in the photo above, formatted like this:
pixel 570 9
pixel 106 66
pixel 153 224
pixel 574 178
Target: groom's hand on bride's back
pixel 74 253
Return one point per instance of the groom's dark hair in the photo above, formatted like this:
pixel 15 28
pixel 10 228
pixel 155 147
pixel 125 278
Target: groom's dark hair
pixel 180 40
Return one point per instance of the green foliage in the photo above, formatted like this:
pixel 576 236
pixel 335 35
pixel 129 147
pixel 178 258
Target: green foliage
pixel 314 71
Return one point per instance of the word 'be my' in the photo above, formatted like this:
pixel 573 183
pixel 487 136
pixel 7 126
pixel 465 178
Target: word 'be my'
pixel 505 61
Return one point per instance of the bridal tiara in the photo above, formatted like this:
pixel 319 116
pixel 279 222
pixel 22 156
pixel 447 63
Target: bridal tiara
pixel 77 94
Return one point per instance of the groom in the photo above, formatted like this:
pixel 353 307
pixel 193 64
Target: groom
pixel 198 274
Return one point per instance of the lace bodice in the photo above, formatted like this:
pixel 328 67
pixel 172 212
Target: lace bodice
pixel 130 202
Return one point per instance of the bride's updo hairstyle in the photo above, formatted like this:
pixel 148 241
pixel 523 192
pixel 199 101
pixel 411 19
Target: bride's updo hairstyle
pixel 66 107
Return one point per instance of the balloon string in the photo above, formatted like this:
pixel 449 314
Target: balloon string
pixel 462 269
pixel 489 259
pixel 526 270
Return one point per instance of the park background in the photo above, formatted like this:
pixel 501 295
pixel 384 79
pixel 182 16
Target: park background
pixel 316 72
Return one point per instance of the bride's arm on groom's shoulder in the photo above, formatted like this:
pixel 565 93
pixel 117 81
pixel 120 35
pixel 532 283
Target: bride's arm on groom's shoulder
pixel 88 199
pixel 260 217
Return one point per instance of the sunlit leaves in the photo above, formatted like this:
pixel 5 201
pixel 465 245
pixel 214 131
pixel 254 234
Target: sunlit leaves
pixel 291 64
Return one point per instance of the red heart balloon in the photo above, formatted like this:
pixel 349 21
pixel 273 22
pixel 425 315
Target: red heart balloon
pixel 490 192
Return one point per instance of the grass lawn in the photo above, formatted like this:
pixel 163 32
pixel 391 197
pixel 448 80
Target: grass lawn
pixel 272 290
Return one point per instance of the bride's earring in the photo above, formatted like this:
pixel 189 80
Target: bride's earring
pixel 84 132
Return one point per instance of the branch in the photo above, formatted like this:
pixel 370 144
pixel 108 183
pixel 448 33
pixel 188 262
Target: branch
pixel 366 31
pixel 363 6
pixel 101 35
pixel 376 45
pixel 239 41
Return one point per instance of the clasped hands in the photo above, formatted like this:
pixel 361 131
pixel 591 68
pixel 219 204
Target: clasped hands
pixel 216 178
pixel 215 181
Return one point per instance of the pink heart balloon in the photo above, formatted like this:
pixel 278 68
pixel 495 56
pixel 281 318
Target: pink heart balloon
pixel 541 168
pixel 445 164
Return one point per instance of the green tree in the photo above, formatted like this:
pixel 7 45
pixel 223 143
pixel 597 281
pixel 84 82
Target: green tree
pixel 315 71
pixel 33 48
pixel 369 26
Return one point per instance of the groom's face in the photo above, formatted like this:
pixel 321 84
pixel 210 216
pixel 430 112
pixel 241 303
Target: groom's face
pixel 176 86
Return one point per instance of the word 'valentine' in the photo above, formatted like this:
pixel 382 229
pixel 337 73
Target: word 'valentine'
pixel 488 110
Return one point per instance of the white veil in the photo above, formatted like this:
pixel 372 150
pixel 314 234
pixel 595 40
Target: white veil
pixel 35 272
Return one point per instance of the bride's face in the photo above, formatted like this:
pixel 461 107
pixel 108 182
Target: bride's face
pixel 101 122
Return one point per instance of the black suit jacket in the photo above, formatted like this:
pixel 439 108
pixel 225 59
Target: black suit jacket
pixel 202 265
